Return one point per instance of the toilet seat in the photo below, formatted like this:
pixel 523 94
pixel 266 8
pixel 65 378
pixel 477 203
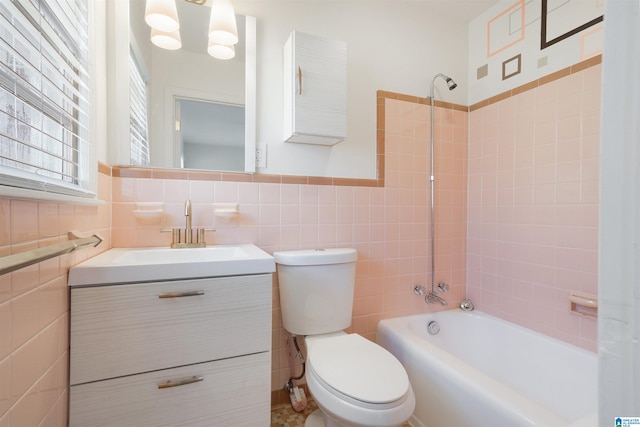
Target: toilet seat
pixel 359 371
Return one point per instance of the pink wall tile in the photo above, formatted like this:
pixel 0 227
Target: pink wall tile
pixel 24 372
pixel 25 325
pixel 124 189
pixel 5 329
pixel 290 195
pixel 551 224
pixel 5 385
pixel 34 305
pixel 24 221
pixel 202 192
pixel 168 190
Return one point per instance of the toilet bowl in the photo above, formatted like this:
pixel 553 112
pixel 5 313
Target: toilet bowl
pixel 354 381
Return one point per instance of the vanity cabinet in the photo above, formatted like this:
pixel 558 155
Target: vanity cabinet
pixel 185 352
pixel 315 89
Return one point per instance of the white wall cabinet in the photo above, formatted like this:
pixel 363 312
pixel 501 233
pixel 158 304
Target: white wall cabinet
pixel 187 352
pixel 315 89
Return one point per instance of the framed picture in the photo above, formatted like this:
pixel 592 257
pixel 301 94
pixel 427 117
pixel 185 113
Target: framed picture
pixel 561 19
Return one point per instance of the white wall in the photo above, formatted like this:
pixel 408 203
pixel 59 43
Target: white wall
pixel 391 45
pixel 508 38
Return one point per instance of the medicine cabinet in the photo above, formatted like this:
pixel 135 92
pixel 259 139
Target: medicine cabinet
pixel 315 89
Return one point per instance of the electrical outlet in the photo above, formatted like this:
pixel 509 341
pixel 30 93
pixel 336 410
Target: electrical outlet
pixel 261 155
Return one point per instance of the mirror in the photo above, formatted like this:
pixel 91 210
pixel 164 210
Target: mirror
pixel 209 135
pixel 192 96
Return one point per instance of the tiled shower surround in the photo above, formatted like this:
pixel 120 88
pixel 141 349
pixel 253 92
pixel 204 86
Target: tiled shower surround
pixel 518 233
pixel 533 205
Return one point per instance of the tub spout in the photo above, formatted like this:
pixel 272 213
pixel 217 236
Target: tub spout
pixel 433 298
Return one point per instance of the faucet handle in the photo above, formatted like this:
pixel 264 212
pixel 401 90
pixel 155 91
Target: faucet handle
pixel 443 287
pixel 175 234
pixel 200 234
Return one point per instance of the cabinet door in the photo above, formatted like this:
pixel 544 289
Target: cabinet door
pixel 127 329
pixel 231 392
pixel 317 70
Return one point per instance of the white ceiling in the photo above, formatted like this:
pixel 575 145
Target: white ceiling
pixel 463 10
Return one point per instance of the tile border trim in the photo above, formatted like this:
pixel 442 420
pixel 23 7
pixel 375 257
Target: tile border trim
pixel 202 175
pixel 580 66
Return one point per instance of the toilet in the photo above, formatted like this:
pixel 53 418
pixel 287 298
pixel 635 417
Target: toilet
pixel 354 381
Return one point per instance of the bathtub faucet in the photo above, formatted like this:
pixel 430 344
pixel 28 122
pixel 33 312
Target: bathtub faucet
pixel 433 298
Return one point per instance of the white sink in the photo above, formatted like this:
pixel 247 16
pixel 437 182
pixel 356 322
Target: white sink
pixel 178 256
pixel 122 265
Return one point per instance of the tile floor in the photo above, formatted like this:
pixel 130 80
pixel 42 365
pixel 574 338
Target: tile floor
pixel 285 416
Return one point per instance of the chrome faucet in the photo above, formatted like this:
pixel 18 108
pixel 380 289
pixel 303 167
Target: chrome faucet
pixel 188 232
pixel 433 298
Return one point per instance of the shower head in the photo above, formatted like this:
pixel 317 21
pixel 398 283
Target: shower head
pixel 450 83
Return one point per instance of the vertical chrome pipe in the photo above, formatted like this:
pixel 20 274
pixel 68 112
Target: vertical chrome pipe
pixel 451 85
pixel 432 182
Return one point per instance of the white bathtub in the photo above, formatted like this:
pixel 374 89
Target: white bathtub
pixel 483 371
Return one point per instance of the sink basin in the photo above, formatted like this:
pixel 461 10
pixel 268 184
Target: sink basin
pixel 178 256
pixel 122 265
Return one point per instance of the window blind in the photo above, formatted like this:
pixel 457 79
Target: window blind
pixel 139 125
pixel 44 95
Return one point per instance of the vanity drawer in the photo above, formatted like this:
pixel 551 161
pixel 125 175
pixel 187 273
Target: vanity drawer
pixel 231 392
pixel 121 330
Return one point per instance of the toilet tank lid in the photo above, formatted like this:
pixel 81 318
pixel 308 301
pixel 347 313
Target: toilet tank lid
pixel 316 256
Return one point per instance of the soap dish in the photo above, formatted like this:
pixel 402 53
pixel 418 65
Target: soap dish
pixel 226 211
pixel 149 212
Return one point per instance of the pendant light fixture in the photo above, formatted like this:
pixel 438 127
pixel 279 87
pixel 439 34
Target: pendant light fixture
pixel 162 15
pixel 166 40
pixel 221 51
pixel 222 24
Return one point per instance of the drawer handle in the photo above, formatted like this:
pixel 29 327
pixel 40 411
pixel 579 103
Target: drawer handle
pixel 180 294
pixel 170 384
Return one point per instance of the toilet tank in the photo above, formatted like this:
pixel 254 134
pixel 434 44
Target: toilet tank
pixel 316 289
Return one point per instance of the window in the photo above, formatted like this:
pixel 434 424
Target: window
pixel 44 95
pixel 138 103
